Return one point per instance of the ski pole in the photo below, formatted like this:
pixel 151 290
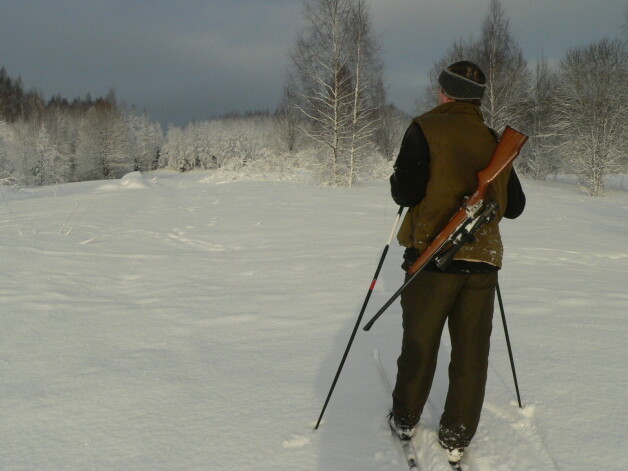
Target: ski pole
pixel 357 323
pixel 512 361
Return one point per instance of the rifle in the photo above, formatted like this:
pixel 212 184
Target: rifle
pixel 473 214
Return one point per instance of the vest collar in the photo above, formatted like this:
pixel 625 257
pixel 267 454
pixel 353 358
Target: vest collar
pixel 458 107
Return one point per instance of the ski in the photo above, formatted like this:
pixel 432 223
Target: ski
pixel 409 452
pixel 407 447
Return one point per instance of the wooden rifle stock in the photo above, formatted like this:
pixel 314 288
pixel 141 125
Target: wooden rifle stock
pixel 506 151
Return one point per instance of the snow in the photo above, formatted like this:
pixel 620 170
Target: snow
pixel 192 322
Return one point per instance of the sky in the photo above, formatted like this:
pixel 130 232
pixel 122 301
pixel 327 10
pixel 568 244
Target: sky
pixel 197 59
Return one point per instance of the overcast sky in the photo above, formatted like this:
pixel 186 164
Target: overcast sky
pixel 182 60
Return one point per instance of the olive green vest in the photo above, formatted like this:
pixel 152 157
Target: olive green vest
pixel 460 145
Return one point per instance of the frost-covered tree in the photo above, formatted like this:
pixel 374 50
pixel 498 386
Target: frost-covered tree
pixel 66 141
pixel 288 119
pixel 338 79
pixel 393 124
pixel 5 168
pixel 506 70
pixel 62 129
pixel 319 61
pixel 172 152
pixel 48 165
pixel 29 155
pixel 189 148
pixel 540 157
pixel 592 111
pixel 201 144
pixel 147 139
pixel 104 145
pixel 230 142
pixel 237 152
pixel 368 89
pixel 21 150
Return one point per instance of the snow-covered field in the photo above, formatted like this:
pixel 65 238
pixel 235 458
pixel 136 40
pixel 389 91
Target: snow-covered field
pixel 185 322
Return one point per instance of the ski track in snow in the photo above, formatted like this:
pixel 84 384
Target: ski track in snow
pixel 152 322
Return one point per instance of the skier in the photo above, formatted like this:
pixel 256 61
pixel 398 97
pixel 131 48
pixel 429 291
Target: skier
pixel 441 152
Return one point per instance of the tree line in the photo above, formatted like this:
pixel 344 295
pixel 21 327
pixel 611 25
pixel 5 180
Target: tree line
pixel 334 118
pixel 57 141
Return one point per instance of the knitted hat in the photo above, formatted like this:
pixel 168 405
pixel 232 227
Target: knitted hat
pixel 458 87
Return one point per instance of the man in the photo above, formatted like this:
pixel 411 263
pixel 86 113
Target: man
pixel 440 155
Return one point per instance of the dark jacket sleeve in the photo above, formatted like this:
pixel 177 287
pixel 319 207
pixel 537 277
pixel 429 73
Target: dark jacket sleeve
pixel 515 197
pixel 412 168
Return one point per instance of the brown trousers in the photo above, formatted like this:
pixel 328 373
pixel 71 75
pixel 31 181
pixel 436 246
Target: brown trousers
pixel 466 301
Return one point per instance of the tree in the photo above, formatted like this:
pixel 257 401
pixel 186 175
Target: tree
pixel 288 118
pixel 147 139
pixel 59 140
pixel 172 150
pixel 541 158
pixel 500 57
pixel 20 150
pixel 368 88
pixel 592 110
pixel 49 166
pixel 5 167
pixel 11 97
pixel 507 76
pixel 104 146
pixel 338 82
pixel 62 129
pixel 393 124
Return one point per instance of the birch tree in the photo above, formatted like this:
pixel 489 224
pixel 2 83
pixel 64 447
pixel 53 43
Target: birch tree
pixel 368 89
pixel 338 79
pixel 499 56
pixel 506 70
pixel 592 111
